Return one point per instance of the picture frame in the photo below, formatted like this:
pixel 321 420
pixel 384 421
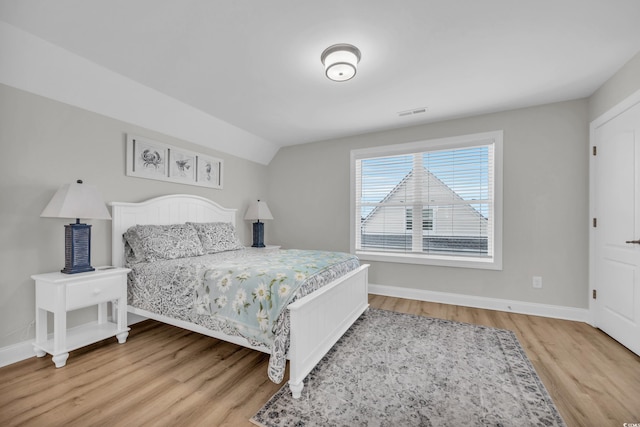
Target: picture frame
pixel 209 171
pixel 150 159
pixel 182 166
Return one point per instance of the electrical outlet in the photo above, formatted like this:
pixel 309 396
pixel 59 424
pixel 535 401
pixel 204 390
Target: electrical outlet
pixel 537 282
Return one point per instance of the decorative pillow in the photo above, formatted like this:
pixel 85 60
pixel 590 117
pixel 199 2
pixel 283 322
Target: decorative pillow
pixel 217 236
pixel 130 257
pixel 153 242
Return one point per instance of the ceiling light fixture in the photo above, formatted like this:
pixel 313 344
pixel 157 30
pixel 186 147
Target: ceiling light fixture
pixel 340 61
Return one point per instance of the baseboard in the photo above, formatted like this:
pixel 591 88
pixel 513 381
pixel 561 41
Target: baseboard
pixel 521 307
pixel 16 353
pixel 24 350
pixel 133 318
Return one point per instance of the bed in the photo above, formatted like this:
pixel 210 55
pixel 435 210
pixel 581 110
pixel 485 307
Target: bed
pixel 312 322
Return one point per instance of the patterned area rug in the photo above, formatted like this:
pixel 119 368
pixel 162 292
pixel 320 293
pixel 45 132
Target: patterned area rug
pixel 393 369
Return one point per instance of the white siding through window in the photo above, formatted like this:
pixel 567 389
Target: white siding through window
pixel 451 187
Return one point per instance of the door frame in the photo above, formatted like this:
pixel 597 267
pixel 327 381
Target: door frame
pixel 612 113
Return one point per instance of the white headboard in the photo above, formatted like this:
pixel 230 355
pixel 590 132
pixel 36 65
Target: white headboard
pixel 173 209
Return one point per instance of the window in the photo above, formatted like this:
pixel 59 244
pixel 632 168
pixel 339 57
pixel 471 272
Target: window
pixel 452 186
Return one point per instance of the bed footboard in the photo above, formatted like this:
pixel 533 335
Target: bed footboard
pixel 320 319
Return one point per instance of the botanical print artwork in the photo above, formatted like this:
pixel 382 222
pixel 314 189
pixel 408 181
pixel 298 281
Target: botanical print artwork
pixel 182 165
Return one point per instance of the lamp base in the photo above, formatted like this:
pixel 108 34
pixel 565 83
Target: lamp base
pixel 258 235
pixel 77 249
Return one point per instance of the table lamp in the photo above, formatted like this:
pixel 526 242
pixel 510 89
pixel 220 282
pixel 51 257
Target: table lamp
pixel 77 200
pixel 258 211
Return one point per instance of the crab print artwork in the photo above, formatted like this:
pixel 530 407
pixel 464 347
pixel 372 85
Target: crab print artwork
pixel 151 158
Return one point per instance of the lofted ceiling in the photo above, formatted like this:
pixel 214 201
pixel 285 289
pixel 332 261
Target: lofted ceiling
pixel 255 64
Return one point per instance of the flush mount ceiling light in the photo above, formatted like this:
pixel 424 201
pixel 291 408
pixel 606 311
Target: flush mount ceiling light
pixel 340 61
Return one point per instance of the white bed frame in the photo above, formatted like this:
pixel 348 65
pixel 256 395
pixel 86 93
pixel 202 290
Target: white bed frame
pixel 317 320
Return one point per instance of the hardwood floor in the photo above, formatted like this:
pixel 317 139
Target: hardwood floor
pixel 167 376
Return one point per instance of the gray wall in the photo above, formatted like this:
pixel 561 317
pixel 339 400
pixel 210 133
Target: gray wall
pixel 545 204
pixel 621 85
pixel 546 158
pixel 46 144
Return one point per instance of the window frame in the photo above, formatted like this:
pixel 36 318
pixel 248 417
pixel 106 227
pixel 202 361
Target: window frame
pixel 493 262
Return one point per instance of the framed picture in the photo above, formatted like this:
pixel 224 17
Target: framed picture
pixel 209 171
pixel 148 159
pixel 182 166
pixel 153 160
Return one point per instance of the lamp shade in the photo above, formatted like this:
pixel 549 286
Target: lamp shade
pixel 77 200
pixel 258 211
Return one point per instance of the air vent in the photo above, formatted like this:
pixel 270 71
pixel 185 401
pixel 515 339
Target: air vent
pixel 412 112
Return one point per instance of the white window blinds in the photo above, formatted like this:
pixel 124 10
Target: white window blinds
pixel 434 201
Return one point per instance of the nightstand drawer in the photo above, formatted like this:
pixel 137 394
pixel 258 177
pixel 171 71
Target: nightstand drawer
pixel 92 292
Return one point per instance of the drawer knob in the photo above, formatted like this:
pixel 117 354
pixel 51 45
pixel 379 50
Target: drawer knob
pixel 96 291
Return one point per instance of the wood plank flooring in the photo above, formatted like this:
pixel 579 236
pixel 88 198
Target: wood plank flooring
pixel 165 376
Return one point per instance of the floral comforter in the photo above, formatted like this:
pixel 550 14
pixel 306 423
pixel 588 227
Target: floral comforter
pixel 241 293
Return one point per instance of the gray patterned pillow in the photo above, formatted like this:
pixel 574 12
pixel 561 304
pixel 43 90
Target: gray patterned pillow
pixel 217 236
pixel 130 257
pixel 153 242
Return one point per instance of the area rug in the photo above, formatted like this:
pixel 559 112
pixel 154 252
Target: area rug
pixel 394 369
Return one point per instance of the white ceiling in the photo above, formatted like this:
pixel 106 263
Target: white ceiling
pixel 255 64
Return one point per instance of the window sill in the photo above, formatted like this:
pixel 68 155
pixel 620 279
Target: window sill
pixel 435 260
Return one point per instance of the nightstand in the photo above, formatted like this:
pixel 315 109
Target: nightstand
pixel 60 293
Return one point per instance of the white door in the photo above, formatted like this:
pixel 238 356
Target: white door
pixel 616 235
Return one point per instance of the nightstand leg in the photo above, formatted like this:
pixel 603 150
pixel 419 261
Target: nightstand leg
pixel 122 337
pixel 39 353
pixel 122 320
pixel 41 331
pixel 114 311
pixel 60 336
pixel 60 360
pixel 102 313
